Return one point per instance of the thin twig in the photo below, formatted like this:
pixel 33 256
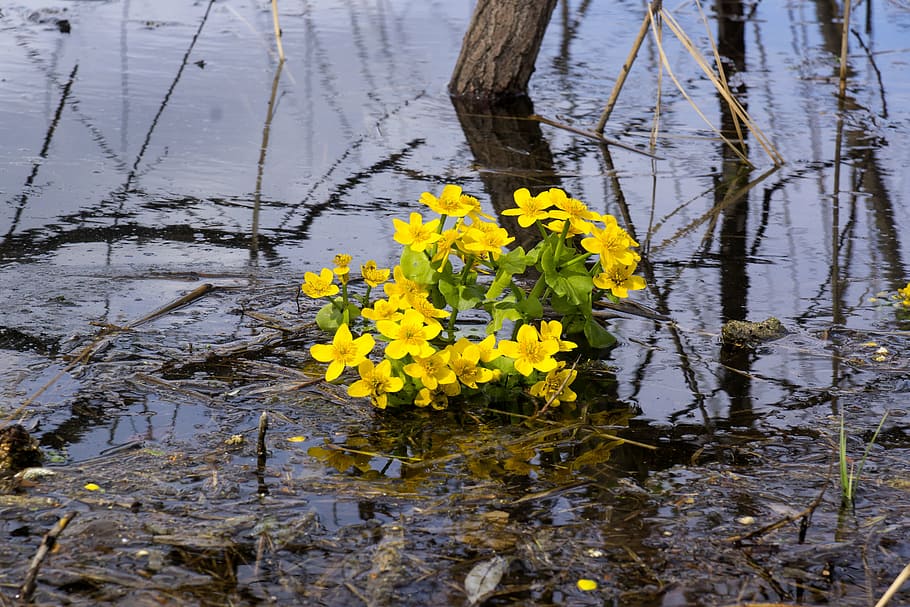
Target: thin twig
pixel 47 544
pixel 592 135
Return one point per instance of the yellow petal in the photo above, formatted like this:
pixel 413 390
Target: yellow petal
pixel 586 585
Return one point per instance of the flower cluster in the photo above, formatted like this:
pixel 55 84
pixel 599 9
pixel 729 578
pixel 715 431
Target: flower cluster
pixel 446 270
pixel 905 295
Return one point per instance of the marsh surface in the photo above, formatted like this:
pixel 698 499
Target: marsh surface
pixel 150 147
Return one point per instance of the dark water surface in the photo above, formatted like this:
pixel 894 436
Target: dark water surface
pixel 148 147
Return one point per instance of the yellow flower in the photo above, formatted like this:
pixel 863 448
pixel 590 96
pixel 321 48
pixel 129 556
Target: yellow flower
pixel 485 239
pixel 529 352
pixel 344 351
pixel 382 310
pixel 529 208
pixel 488 349
pixel 409 335
pixel 431 370
pixel 577 212
pixel 557 226
pixel 403 288
pixel 372 275
pixel 552 329
pixel 376 382
pixel 554 388
pixel 451 202
pixel 427 309
pixel 476 211
pixel 612 243
pixel 905 293
pixel 464 361
pixel 447 241
pixel 342 265
pixel 320 285
pixel 436 399
pixel 417 235
pixel 617 278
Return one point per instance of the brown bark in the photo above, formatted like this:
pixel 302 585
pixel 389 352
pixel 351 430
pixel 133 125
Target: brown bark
pixel 499 49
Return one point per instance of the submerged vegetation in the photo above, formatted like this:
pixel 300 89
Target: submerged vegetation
pixel 451 272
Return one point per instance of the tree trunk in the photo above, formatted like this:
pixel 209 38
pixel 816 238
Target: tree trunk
pixel 499 49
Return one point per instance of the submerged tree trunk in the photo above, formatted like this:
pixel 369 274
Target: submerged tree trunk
pixel 499 49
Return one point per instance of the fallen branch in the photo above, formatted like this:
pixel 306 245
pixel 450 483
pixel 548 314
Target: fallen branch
pixel 47 544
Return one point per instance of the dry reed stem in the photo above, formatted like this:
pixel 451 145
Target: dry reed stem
pixel 720 85
pixel 904 575
pixel 666 63
pixel 844 45
pixel 626 68
pixel 277 30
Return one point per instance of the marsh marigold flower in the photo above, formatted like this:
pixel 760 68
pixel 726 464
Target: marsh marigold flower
pixel 612 243
pixel 451 202
pixel 554 388
pixel 905 294
pixel 382 310
pixel 342 267
pixel 319 285
pixel 416 234
pixel 465 363
pixel 617 278
pixel 575 211
pixel 485 239
pixel 402 288
pixel 552 329
pixel 529 208
pixel 431 370
pixel 530 352
pixel 409 335
pixel 344 351
pixel 437 399
pixel 376 382
pixel 373 275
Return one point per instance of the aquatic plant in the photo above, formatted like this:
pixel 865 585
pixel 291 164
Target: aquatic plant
pixel 457 264
pixel 849 471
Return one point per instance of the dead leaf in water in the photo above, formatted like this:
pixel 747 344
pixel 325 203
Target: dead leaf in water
pixel 483 579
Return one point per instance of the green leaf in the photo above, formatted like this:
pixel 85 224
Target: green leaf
pixel 458 296
pixel 500 312
pixel 597 336
pixel 579 288
pixel 530 308
pixel 329 317
pixel 508 265
pixel 416 266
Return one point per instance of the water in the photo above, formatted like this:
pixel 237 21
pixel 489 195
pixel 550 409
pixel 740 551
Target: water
pixel 140 159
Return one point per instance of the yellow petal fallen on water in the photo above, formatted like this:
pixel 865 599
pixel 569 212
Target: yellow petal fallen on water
pixel 296 439
pixel 92 487
pixel 870 344
pixel 586 585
